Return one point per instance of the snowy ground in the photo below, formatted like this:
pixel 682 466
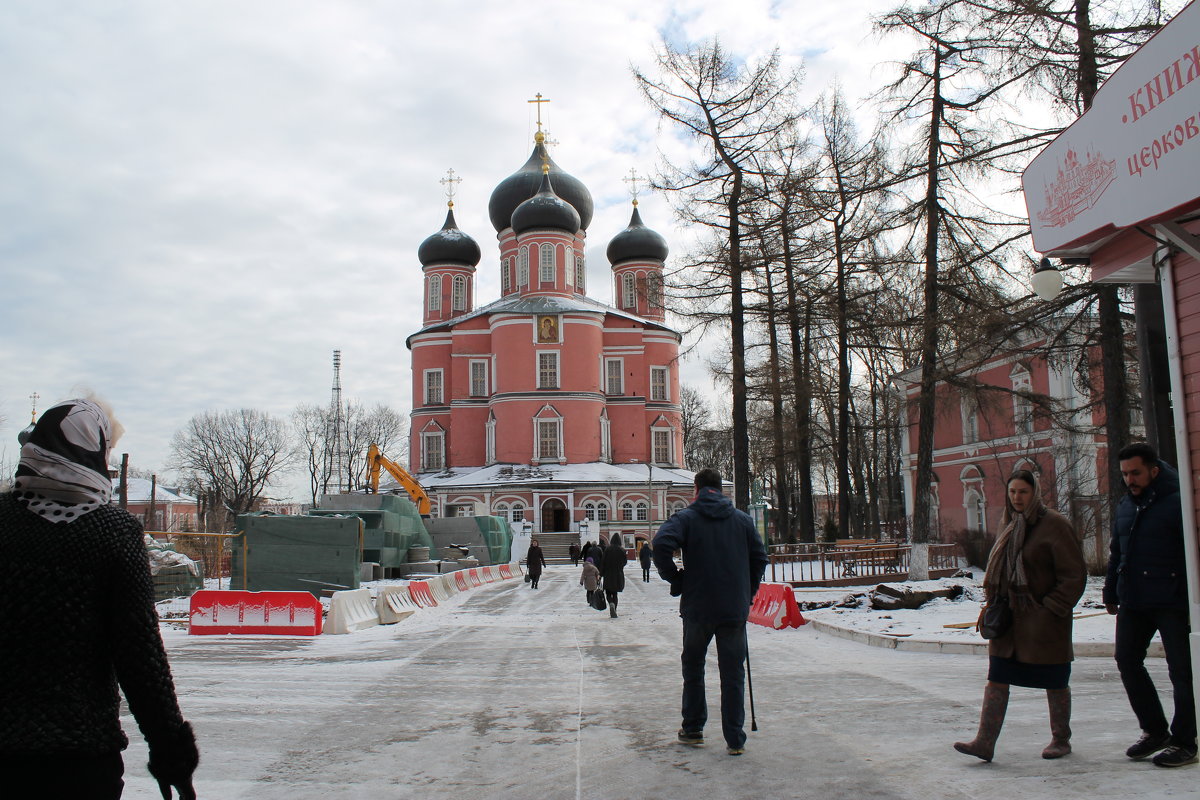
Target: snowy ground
pixel 507 692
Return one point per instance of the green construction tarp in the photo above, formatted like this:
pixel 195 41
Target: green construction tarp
pixel 282 552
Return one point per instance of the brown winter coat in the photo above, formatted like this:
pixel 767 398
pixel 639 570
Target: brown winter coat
pixel 1054 568
pixel 590 577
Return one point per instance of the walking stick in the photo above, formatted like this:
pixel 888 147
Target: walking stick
pixel 750 682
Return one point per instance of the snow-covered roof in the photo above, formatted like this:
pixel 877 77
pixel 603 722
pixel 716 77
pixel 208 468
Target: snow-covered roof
pixel 541 474
pixel 138 491
pixel 542 304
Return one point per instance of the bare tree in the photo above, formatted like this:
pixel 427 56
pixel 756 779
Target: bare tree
pixel 736 110
pixel 360 427
pixel 231 457
pixel 694 417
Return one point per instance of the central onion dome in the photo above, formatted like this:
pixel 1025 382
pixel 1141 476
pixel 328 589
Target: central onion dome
pixel 637 242
pixel 545 210
pixel 524 183
pixel 449 246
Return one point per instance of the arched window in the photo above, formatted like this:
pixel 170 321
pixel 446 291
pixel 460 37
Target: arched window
pixel 627 511
pixel 506 274
pixel 602 511
pixel 435 292
pixel 546 264
pixel 589 511
pixel 628 291
pixel 459 297
pixel 568 271
pixel 518 512
pixel 643 511
pixel 523 268
pixel 580 274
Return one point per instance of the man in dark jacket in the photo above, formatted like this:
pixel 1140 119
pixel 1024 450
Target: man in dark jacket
pixel 1146 588
pixel 645 558
pixel 612 572
pixel 723 559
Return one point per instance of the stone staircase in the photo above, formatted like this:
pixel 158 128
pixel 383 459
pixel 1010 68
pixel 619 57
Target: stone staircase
pixel 556 546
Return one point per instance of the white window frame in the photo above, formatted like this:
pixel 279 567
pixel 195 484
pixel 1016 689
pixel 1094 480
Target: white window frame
pixel 970 420
pixel 546 264
pixel 619 375
pixel 628 291
pixel 523 267
pixel 641 511
pixel 1022 385
pixel 458 293
pixel 434 387
pixel 568 268
pixel 668 437
pixel 580 273
pixel 543 356
pixel 554 426
pixel 428 461
pixel 627 511
pixel 435 292
pixel 479 377
pixel 517 511
pixel 660 384
pixel 602 511
pixel 505 274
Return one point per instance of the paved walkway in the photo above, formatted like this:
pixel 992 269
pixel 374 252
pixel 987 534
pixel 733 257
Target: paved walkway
pixel 512 693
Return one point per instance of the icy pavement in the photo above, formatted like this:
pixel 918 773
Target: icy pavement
pixel 508 692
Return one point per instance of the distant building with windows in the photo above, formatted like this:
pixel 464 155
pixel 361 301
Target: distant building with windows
pixel 546 406
pixel 1010 410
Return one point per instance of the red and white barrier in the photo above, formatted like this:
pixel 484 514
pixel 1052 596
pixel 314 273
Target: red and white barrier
pixel 460 580
pixel 276 613
pixel 775 607
pixel 351 610
pixel 506 571
pixel 394 604
pixel 421 594
pixel 473 577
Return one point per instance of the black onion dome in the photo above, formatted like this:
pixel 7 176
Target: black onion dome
pixel 637 241
pixel 449 246
pixel 524 183
pixel 545 210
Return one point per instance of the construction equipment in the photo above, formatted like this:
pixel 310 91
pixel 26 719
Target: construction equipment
pixel 377 460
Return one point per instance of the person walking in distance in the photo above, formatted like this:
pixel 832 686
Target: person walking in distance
pixel 70 645
pixel 723 564
pixel 612 572
pixel 1146 588
pixel 590 579
pixel 645 556
pixel 573 551
pixel 534 561
pixel 1036 569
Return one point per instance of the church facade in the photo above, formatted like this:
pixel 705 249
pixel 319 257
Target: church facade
pixel 545 406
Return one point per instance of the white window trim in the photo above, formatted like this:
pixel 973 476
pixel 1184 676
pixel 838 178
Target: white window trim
pixel 557 422
pixel 546 265
pixel 458 293
pixel 670 435
pixel 435 292
pixel 666 384
pixel 426 438
pixel 620 375
pixel 538 368
pixel 505 275
pixel 523 267
pixel 628 291
pixel 478 362
pixel 580 273
pixel 441 387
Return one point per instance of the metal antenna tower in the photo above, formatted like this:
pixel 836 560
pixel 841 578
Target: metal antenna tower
pixel 337 453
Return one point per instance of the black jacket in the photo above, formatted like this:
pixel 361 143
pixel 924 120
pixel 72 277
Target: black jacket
pixel 723 559
pixel 77 620
pixel 535 560
pixel 1146 559
pixel 612 569
pixel 644 556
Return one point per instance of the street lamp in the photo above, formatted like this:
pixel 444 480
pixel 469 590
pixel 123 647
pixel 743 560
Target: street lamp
pixel 1047 281
pixel 583 530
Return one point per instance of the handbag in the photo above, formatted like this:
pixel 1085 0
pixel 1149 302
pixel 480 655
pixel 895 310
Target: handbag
pixel 527 578
pixel 996 619
pixel 598 600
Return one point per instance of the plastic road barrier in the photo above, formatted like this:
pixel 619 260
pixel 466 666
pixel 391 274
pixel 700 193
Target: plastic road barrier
pixel 473 577
pixel 422 594
pixel 460 580
pixel 775 607
pixel 438 587
pixel 394 604
pixel 506 571
pixel 448 585
pixel 351 610
pixel 278 613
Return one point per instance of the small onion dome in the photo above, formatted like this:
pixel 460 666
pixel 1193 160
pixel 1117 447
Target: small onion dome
pixel 637 242
pixel 449 246
pixel 524 183
pixel 545 210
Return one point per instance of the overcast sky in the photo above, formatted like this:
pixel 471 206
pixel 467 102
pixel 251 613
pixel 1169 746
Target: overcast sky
pixel 201 200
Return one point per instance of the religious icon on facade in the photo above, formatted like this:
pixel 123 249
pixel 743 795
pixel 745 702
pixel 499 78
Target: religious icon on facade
pixel 547 330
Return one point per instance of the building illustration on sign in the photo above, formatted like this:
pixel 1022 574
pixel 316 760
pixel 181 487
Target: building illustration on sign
pixel 1078 187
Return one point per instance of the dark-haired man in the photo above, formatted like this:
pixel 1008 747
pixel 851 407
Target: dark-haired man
pixel 723 560
pixel 1146 588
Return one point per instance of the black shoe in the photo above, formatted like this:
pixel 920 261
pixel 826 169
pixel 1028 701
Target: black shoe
pixel 1148 745
pixel 1176 756
pixel 693 739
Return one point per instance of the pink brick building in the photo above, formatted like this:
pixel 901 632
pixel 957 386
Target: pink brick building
pixel 545 405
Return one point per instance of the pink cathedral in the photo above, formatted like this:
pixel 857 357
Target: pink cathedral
pixel 546 406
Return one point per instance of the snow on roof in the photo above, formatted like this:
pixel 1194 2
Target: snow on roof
pixel 138 491
pixel 530 474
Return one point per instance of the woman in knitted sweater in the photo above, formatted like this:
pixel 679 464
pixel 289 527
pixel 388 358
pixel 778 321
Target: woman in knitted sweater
pixel 1037 565
pixel 77 621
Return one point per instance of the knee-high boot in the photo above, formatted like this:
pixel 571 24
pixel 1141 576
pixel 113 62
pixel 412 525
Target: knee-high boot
pixel 991 719
pixel 1059 701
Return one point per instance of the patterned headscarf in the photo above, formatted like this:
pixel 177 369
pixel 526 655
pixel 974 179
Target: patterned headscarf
pixel 1006 567
pixel 63 472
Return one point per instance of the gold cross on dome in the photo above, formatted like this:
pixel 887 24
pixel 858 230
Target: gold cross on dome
pixel 633 179
pixel 539 102
pixel 449 182
pixel 33 398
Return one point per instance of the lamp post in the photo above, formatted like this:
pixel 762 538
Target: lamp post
pixel 583 531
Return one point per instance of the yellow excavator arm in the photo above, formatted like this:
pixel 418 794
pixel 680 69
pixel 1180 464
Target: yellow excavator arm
pixel 377 460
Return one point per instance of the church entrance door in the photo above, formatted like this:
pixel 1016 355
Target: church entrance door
pixel 554 516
